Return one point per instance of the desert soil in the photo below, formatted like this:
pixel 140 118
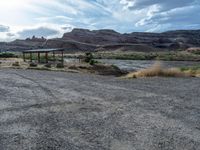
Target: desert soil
pixel 43 110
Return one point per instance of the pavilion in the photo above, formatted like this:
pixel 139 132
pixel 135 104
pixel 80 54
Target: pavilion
pixel 54 51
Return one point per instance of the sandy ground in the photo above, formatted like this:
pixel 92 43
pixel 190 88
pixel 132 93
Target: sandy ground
pixel 41 110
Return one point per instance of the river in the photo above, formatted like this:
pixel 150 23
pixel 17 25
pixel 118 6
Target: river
pixel 132 65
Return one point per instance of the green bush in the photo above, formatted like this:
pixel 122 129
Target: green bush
pixel 7 55
pixel 92 62
pixel 88 57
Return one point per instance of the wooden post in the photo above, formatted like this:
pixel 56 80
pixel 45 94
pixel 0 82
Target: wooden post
pixel 54 58
pixel 46 55
pixel 38 57
pixel 24 58
pixel 31 58
pixel 62 58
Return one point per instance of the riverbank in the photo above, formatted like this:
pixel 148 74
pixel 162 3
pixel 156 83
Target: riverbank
pixel 123 55
pixel 135 65
pixel 163 56
pixel 157 70
pixel 97 68
pixel 115 67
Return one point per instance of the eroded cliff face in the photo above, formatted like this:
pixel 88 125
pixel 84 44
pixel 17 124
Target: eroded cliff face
pixel 83 39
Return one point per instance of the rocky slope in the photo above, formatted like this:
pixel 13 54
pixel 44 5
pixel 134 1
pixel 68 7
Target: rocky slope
pixel 83 39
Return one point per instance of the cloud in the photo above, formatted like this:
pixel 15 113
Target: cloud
pixel 38 32
pixel 165 4
pixel 173 19
pixel 120 15
pixel 10 34
pixel 163 15
pixel 4 28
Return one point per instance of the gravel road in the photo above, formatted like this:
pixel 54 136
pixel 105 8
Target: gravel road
pixel 42 110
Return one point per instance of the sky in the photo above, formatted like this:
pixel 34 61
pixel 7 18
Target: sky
pixel 20 19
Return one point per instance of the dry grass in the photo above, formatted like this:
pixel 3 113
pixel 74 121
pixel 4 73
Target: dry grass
pixel 193 70
pixel 158 70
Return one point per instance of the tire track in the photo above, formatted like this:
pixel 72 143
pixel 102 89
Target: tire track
pixel 46 90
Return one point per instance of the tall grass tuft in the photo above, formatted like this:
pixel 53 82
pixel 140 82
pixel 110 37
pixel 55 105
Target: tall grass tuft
pixel 157 70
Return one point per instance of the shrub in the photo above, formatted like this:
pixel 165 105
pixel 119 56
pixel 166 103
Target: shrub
pixel 197 51
pixel 33 64
pixel 88 57
pixel 115 67
pixel 157 70
pixel 16 64
pixel 48 65
pixel 193 70
pixel 60 65
pixel 7 55
pixel 93 62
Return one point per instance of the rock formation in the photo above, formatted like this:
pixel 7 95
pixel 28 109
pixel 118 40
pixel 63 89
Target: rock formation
pixel 86 40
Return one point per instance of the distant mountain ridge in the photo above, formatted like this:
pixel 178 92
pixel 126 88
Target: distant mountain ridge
pixel 98 40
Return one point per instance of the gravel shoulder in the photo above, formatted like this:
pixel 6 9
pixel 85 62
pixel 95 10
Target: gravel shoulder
pixel 44 110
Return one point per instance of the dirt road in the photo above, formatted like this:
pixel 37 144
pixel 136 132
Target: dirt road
pixel 42 110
